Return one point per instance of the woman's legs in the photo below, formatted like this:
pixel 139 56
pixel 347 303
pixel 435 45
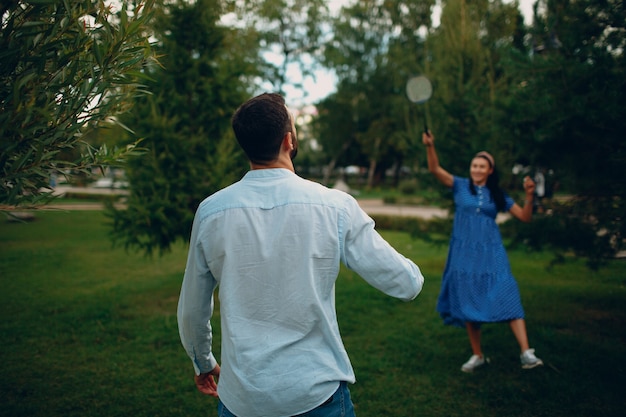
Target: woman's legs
pixel 518 326
pixel 528 358
pixel 473 332
pixel 476 360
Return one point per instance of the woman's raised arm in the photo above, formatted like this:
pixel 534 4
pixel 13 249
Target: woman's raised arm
pixel 433 161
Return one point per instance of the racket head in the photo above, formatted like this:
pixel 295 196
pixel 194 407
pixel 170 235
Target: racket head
pixel 419 89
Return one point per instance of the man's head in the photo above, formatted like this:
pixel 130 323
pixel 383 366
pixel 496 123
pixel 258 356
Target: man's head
pixel 260 126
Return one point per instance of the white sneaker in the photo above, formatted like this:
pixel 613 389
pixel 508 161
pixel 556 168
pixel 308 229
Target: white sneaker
pixel 529 360
pixel 474 362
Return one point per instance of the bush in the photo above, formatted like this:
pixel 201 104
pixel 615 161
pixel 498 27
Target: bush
pixel 409 187
pixel 433 231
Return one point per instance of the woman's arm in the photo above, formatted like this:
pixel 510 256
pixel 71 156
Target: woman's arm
pixel 525 213
pixel 433 161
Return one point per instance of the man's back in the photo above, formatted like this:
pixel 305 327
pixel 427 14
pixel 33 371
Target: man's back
pixel 273 243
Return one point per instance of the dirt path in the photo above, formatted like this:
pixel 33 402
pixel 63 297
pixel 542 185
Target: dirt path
pixel 371 206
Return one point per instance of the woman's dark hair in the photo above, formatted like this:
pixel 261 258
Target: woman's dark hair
pixel 260 124
pixel 493 186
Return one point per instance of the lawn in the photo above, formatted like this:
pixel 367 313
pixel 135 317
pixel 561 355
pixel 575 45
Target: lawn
pixel 90 330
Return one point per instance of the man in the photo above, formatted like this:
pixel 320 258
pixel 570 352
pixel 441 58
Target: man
pixel 273 242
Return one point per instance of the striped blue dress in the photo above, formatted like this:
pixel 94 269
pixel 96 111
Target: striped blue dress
pixel 477 284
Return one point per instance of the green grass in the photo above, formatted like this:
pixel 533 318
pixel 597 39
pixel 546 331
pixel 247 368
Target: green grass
pixel 90 330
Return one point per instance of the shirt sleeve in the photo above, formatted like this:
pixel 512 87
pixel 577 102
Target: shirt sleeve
pixel 369 255
pixel 195 308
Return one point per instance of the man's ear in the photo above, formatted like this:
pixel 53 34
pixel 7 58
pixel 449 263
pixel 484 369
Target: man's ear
pixel 288 141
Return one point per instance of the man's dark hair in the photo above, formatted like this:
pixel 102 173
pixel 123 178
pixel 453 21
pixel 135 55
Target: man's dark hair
pixel 260 124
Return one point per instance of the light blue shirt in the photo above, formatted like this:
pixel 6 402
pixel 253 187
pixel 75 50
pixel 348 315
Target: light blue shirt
pixel 273 242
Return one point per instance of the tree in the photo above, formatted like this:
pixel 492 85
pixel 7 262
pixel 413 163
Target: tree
pixel 569 102
pixel 205 73
pixel 65 68
pixel 469 80
pixel 335 124
pixel 289 42
pixel 291 33
pixel 376 46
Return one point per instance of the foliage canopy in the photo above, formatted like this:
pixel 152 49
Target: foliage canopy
pixel 547 96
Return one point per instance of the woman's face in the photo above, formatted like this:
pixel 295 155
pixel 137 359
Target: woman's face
pixel 480 170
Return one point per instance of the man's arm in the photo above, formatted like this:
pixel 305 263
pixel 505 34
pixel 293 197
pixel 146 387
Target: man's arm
pixel 370 256
pixel 195 309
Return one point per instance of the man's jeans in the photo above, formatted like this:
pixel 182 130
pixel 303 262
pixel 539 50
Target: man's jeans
pixel 339 405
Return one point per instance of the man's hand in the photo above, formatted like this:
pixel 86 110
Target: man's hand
pixel 206 383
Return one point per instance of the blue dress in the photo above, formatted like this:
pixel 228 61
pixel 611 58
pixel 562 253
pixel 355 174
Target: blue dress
pixel 477 284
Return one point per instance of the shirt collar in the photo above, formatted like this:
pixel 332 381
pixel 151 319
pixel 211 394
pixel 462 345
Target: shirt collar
pixel 268 173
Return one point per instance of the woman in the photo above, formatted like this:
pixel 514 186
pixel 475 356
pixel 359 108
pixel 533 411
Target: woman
pixel 478 286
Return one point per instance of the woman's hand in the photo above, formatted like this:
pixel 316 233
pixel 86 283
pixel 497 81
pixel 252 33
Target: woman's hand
pixel 525 213
pixel 428 139
pixel 529 186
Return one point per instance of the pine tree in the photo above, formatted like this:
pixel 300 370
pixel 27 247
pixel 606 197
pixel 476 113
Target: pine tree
pixel 184 124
